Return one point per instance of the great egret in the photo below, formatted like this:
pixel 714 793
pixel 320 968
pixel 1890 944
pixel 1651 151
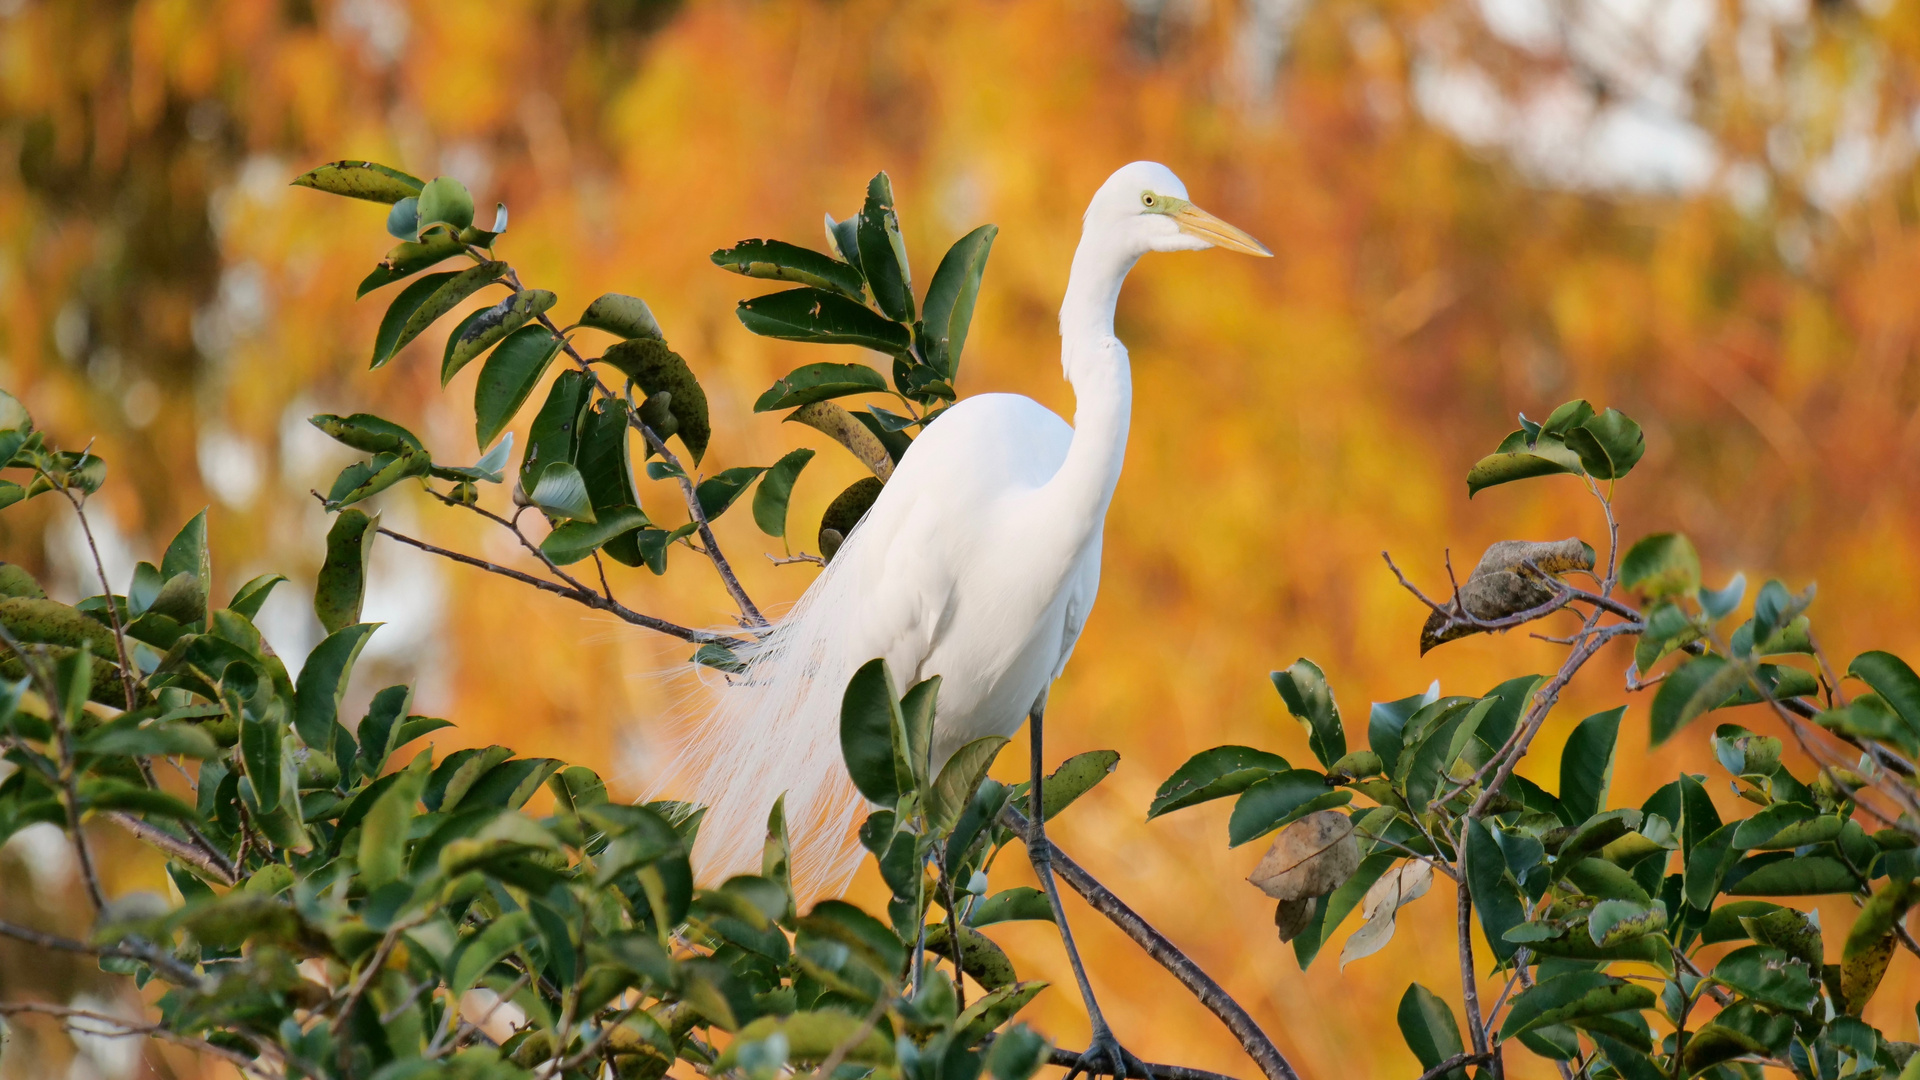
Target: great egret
pixel 978 562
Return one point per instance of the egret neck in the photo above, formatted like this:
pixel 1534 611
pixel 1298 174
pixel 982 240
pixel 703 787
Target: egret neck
pixel 1096 366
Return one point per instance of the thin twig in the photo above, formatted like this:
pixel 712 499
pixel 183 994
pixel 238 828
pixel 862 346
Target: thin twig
pixel 1469 984
pixel 127 1028
pixel 129 687
pixel 1067 1059
pixel 832 1061
pixel 1457 1061
pixel 131 949
pixel 1254 1041
pixel 212 863
pixel 586 597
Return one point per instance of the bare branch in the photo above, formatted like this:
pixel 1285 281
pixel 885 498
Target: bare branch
pixel 116 1028
pixel 132 949
pixel 209 861
pixel 1155 944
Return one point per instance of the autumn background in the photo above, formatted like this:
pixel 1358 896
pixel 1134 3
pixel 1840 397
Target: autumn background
pixel 1703 212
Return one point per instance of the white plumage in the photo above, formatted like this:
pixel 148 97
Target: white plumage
pixel 979 562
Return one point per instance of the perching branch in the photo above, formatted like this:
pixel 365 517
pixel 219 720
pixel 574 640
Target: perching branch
pixel 131 949
pixel 113 1027
pixel 1155 944
pixel 1067 1059
pixel 588 597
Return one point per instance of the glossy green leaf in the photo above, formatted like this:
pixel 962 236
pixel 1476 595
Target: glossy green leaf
pixel 555 433
pixel 361 180
pixel 819 382
pixel 409 258
pixel 420 304
pixel 1386 725
pixel 1215 774
pixel 1768 976
pixel 1807 875
pixel 1894 681
pixel 1586 765
pixel 1572 996
pixel 1695 687
pixel 883 253
pixel 247 600
pixel 776 490
pixel 1516 459
pixel 262 744
pixel 322 685
pixel 1871 943
pixel 625 316
pixel 1304 689
pixel 824 318
pixel 1661 566
pixel 367 433
pixel 656 369
pixel 508 378
pixel 951 296
pixel 445 201
pixel 869 716
pixel 1021 903
pixel 718 493
pixel 1496 898
pixel 1609 444
pixel 485 328
pixel 959 777
pixel 1429 1027
pixel 575 540
pixel 342 584
pixel 562 493
pixel 777 260
pixel 1275 801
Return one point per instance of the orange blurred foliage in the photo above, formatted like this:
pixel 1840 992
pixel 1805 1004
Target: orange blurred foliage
pixel 1473 216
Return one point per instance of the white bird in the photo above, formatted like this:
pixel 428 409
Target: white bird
pixel 979 562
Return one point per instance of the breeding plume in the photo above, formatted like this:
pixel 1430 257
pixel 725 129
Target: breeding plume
pixel 979 562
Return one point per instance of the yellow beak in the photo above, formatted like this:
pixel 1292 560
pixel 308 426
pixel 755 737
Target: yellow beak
pixel 1197 222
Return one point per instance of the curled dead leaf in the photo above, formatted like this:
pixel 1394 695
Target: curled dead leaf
pixel 1504 583
pixel 1292 916
pixel 1311 857
pixel 1399 887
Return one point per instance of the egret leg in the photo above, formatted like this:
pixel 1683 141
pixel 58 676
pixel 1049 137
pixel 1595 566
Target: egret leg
pixel 1104 1055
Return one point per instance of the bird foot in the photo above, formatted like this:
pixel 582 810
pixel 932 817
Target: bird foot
pixel 1104 1056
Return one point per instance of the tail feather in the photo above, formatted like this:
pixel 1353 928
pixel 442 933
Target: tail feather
pixel 776 730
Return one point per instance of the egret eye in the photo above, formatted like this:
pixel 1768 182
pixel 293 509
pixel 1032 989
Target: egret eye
pixel 1146 199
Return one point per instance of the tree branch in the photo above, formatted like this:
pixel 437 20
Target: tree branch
pixel 1457 1061
pixel 580 596
pixel 1253 1040
pixel 126 1028
pixel 208 860
pixel 134 949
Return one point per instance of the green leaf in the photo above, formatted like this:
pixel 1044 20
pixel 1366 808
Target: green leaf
pixel 1564 419
pixel 445 201
pixel 1430 1029
pixel 718 493
pixel 486 327
pixel 424 301
pixel 562 493
pixel 364 432
pixel 1894 681
pixel 777 260
pixel 1386 725
pixel 656 369
pixel 323 683
pixel 495 942
pixel 1496 897
pixel 507 379
pixel 951 295
pixel 1700 685
pixel 1609 445
pixel 361 180
pixel 187 554
pixel 1870 944
pixel 249 598
pixel 409 258
pixel 823 318
pixel 555 434
pixel 1010 905
pixel 979 956
pixel 844 512
pixel 1586 765
pixel 869 716
pixel 1546 458
pixel 883 252
pixel 1275 801
pixel 403 221
pixel 1304 688
pixel 1661 566
pixel 1075 777
pixel 262 742
pixel 1807 875
pixel 625 316
pixel 1214 774
pixel 365 479
pixel 575 540
pixel 342 584
pixel 112 794
pixel 1770 977
pixel 776 490
pixel 1719 603
pixel 810 1037
pixel 1573 996
pixel 958 779
pixel 819 382
pixel 605 461
pixel 1611 922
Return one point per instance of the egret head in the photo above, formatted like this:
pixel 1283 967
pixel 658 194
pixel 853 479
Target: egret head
pixel 1143 207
